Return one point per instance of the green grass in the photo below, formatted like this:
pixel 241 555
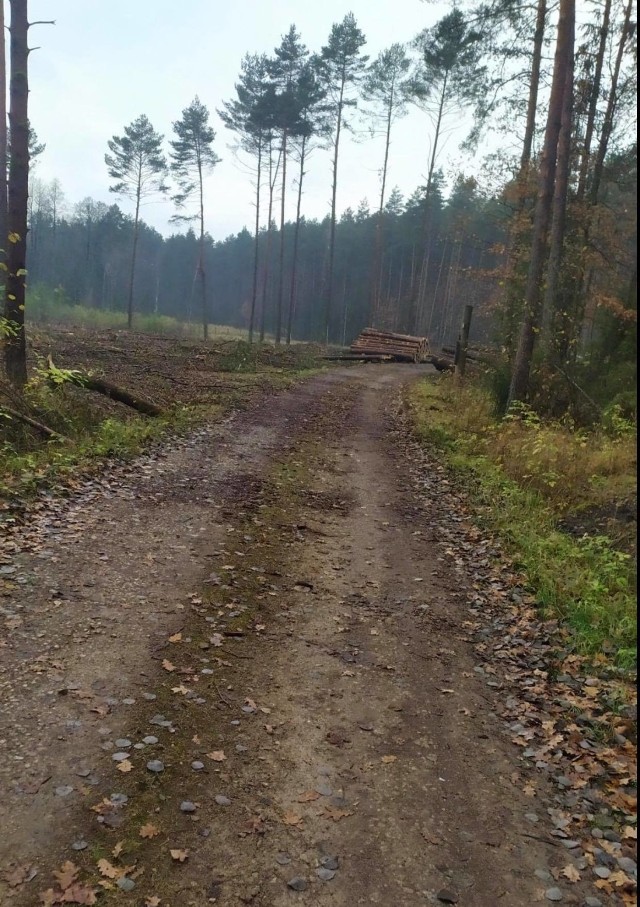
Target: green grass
pixel 586 582
pixel 46 307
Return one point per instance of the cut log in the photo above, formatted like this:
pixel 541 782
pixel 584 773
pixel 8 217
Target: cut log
pixel 400 347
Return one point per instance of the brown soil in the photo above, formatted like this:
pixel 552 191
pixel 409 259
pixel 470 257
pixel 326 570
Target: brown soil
pixel 297 564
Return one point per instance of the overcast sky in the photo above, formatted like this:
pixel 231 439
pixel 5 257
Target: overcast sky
pixel 105 63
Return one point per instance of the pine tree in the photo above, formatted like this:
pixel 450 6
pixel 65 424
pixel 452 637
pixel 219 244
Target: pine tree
pixel 192 157
pixel 342 66
pixel 139 167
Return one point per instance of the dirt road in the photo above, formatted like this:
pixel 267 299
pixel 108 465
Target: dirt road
pixel 240 671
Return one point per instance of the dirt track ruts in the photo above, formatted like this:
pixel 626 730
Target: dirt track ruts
pixel 378 743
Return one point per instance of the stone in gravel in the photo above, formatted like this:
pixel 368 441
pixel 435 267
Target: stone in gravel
pixel 240 748
pixel 592 902
pixel 150 741
pixel 128 701
pixel 123 743
pixel 330 862
pixel 603 872
pixel 197 766
pixel 447 896
pixel 160 720
pixel 125 884
pixel 543 874
pixel 570 845
pixel 64 790
pixel 611 835
pixel 283 859
pixel 297 883
pixel 138 746
pixel 119 799
pixel 531 817
pixel 597 833
pixel 553 894
pixel 325 875
pixel 155 766
pixel 187 807
pixel 79 845
pixel 149 696
pixel 323 789
pixel 120 757
pixel 221 800
pixel 628 865
pixel 235 722
pixel 83 772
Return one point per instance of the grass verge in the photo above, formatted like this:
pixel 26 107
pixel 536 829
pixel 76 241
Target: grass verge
pixel 525 478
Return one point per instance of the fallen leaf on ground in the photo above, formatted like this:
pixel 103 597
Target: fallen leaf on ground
pixel 117 850
pixel 108 870
pixel 388 759
pixel 17 876
pixel 176 637
pixel 570 872
pixel 66 875
pixel 124 766
pixel 216 640
pixel 308 796
pixel 180 689
pixel 153 901
pixel 179 855
pixel 217 756
pixel 629 832
pixel 149 830
pixel 79 894
pixel 332 812
pixel 291 818
pixel 166 664
pixel 253 826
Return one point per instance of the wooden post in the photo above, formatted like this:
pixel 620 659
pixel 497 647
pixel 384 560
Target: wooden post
pixel 463 341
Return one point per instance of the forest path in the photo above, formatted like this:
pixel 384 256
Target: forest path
pixel 269 615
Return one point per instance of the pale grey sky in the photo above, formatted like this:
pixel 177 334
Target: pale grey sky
pixel 104 63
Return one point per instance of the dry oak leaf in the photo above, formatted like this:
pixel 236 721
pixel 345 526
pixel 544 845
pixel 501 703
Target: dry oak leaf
pixel 108 870
pixel 117 850
pixel 291 818
pixel 176 637
pixel 149 830
pixel 125 766
pixel 331 812
pixel 66 875
pixel 179 855
pixel 180 689
pixel 153 901
pixel 308 796
pixel 79 894
pixel 253 826
pixel 570 872
pixel 166 664
pixel 389 759
pixel 17 876
pixel 50 898
pixel 630 832
pixel 217 756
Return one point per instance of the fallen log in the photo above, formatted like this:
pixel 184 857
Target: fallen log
pixel 33 423
pixel 441 364
pixel 112 391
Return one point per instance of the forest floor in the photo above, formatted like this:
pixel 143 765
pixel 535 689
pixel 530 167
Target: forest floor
pixel 273 662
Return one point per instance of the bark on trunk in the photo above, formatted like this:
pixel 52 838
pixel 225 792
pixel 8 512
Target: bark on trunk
pixel 281 262
pixel 3 145
pixel 201 269
pixel 546 184
pixel 15 353
pixel 296 240
pixel 256 247
pixel 377 257
pixel 134 251
pixel 594 97
pixel 332 230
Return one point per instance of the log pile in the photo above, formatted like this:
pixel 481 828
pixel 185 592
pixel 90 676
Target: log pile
pixel 374 344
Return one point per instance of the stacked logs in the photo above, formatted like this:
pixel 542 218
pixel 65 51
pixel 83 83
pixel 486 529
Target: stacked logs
pixel 398 347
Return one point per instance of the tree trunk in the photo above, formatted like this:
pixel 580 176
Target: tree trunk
pixel 256 248
pixel 201 269
pixel 296 239
pixel 134 251
pixel 546 184
pixel 607 126
pixel 273 172
pixel 281 263
pixel 15 351
pixel 559 220
pixel 377 257
pixel 594 97
pixel 332 229
pixel 3 146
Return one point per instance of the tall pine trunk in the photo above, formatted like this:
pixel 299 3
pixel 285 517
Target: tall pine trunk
pixel 296 240
pixel 273 175
pixel 282 240
pixel 256 247
pixel 201 270
pixel 519 387
pixel 134 252
pixel 594 97
pixel 15 351
pixel 3 145
pixel 377 257
pixel 332 228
